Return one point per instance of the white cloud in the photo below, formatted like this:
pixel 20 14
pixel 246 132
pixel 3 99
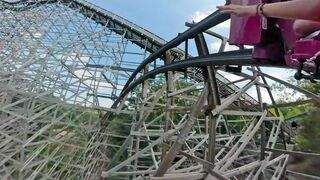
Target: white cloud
pixel 200 15
pixel 74 58
pixel 215 46
pixel 87 73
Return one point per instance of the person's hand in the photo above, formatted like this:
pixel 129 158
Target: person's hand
pixel 239 10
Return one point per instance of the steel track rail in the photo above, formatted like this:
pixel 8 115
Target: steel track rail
pixel 241 57
pixel 210 21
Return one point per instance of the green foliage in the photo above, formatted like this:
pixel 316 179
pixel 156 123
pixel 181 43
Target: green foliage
pixel 312 87
pixel 287 94
pixel 290 112
pixel 121 124
pixel 309 133
pixel 308 138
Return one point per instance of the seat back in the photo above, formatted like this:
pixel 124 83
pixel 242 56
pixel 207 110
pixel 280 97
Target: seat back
pixel 307 47
pixel 247 30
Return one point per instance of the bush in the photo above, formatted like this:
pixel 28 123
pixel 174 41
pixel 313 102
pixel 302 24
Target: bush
pixel 308 137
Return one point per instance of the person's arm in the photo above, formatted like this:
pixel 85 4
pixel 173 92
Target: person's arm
pixel 297 9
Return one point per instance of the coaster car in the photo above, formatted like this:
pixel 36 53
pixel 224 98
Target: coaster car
pixel 274 40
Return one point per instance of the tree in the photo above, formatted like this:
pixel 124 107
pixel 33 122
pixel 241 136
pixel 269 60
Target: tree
pixel 308 137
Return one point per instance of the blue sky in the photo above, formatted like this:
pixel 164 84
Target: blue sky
pixel 165 18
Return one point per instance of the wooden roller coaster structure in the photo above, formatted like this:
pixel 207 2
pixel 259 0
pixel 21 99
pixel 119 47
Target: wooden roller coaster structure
pixel 172 116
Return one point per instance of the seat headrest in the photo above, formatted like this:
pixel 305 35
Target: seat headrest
pixel 314 35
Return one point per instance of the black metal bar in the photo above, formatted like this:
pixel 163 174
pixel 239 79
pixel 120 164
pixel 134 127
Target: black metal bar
pixel 186 49
pixel 219 36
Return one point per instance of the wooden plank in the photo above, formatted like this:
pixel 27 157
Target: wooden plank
pixel 241 113
pixel 182 176
pixel 185 90
pixel 176 147
pixel 294 153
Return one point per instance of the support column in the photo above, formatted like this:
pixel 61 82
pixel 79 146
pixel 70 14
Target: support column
pixel 170 102
pixel 213 98
pixel 176 147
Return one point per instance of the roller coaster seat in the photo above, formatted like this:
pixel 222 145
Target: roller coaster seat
pixel 260 32
pixel 307 47
pixel 272 39
pixel 247 30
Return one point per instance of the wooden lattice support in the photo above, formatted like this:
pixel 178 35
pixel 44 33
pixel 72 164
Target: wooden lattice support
pixel 63 64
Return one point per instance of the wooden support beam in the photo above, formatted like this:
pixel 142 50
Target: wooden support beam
pixel 309 94
pixel 181 176
pixel 169 157
pixel 185 90
pixel 294 153
pixel 290 104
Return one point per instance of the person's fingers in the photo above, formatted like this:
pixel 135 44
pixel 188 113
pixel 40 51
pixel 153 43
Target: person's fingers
pixel 230 6
pixel 227 11
pixel 222 7
pixel 225 8
pixel 230 9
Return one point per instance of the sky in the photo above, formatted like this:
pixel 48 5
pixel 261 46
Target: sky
pixel 166 18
